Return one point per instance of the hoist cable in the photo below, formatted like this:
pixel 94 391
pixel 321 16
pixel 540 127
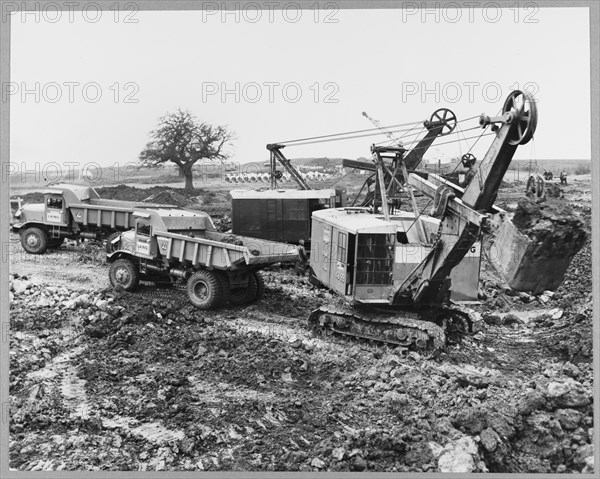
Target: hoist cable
pixel 348 133
pixel 351 134
pixel 366 135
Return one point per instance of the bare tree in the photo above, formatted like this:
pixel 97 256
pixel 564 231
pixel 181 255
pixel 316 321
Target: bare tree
pixel 181 139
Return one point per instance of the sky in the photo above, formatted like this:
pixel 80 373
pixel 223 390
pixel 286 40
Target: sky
pixel 89 88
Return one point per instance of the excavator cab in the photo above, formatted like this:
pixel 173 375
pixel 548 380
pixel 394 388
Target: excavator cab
pixel 352 252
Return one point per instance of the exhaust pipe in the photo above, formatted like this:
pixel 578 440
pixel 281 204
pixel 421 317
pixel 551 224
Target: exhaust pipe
pixel 180 273
pixel 89 235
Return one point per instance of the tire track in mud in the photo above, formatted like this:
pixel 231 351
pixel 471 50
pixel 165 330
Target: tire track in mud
pixel 59 378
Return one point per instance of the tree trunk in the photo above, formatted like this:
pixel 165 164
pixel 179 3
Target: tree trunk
pixel 189 185
pixel 181 172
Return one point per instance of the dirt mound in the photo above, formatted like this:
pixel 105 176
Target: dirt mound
pixel 131 193
pixel 572 335
pixel 169 197
pixel 555 226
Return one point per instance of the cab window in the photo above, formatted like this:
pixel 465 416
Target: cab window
pixel 143 229
pixel 56 203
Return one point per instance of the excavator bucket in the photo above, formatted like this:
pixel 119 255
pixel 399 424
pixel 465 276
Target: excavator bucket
pixel 534 249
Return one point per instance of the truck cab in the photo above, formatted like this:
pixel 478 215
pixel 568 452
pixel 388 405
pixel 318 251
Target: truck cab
pixel 145 242
pixel 55 210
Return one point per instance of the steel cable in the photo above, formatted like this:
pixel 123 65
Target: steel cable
pixel 352 135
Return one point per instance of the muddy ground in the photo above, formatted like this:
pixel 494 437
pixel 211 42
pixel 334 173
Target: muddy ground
pixel 136 381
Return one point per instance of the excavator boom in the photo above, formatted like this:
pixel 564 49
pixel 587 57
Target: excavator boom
pixel 463 217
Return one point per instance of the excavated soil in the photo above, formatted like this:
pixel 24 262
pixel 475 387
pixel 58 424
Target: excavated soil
pixel 555 226
pixel 101 380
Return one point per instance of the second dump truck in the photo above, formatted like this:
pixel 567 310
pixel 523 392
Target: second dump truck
pixel 71 211
pixel 167 244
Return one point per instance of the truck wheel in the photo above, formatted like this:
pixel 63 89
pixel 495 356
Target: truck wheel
pixel 226 287
pixel 54 243
pixel 109 246
pixel 248 294
pixel 34 240
pixel 260 286
pixel 124 273
pixel 205 290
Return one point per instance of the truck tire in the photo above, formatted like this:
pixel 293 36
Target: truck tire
pixel 109 246
pixel 54 243
pixel 34 240
pixel 205 289
pixel 241 296
pixel 260 286
pixel 123 272
pixel 226 287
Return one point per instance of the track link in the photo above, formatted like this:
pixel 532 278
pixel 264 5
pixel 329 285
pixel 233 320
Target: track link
pixel 408 331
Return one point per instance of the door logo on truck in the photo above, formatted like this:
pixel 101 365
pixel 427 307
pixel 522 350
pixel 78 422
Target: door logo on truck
pixel 143 248
pixel 54 217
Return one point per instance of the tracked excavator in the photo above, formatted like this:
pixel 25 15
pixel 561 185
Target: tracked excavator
pixel 393 269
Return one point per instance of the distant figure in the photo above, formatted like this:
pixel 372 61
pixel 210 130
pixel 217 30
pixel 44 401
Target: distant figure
pixel 563 177
pixel 548 175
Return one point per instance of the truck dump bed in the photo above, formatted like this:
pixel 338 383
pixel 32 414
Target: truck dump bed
pixel 115 214
pixel 220 251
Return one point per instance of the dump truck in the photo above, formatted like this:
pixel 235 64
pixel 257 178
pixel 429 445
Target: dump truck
pixel 168 244
pixel 395 271
pixel 71 211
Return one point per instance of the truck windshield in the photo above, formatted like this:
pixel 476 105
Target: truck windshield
pixel 143 229
pixel 56 203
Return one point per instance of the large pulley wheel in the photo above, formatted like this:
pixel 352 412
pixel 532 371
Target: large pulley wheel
pixel 278 174
pixel 468 160
pixel 445 117
pixel 523 106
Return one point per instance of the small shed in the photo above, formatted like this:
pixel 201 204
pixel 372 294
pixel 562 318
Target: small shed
pixel 280 215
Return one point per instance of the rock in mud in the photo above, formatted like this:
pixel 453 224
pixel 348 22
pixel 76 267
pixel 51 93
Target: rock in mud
pixel 470 420
pixel 568 393
pixel 459 456
pixel 395 398
pixel 568 418
pixel 338 453
pixel 489 439
pixel 533 401
pixel 571 370
pixel 20 286
pixel 582 453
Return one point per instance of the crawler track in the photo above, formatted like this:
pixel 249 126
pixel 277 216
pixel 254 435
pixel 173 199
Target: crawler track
pixel 408 332
pixel 404 329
